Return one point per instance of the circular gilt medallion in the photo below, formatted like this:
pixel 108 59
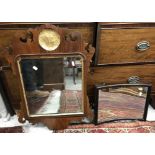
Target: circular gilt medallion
pixel 49 40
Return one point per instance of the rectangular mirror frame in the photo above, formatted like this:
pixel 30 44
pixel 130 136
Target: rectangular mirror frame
pixel 53 121
pixel 23 88
pixel 99 87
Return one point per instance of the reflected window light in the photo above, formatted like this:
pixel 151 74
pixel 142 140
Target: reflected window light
pixel 140 89
pixel 35 68
pixel 73 63
pixel 140 93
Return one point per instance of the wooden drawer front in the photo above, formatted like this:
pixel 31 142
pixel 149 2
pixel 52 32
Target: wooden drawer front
pixel 87 31
pixel 119 45
pixel 120 74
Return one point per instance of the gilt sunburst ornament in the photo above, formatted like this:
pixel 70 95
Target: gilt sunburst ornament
pixel 49 39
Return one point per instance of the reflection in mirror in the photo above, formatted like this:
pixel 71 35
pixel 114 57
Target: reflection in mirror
pixel 122 103
pixel 53 86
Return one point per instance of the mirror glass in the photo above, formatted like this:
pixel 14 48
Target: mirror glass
pixel 53 86
pixel 121 102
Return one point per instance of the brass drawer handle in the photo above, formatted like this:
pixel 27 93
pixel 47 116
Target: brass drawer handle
pixel 134 79
pixel 143 46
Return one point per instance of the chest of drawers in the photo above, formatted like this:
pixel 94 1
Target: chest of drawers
pixel 124 50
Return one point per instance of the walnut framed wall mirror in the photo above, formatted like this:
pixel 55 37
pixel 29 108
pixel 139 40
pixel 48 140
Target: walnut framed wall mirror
pixel 121 102
pixel 51 66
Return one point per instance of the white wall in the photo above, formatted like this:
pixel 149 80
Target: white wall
pixel 3 111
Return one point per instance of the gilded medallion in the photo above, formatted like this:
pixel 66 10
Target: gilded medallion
pixel 49 39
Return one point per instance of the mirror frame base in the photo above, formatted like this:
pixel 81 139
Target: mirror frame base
pixel 57 123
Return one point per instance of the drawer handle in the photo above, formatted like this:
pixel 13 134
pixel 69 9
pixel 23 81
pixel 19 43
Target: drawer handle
pixel 133 80
pixel 143 46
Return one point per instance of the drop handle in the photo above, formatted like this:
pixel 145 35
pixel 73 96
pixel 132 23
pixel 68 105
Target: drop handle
pixel 134 80
pixel 142 46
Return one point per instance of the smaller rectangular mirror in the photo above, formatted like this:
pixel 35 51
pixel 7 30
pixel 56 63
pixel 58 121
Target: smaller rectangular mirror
pixel 121 102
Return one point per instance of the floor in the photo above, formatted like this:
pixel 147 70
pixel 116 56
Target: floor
pixel 13 121
pixel 69 85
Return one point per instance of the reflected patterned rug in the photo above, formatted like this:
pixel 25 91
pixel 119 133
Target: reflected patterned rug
pixel 70 101
pixel 123 127
pixel 119 106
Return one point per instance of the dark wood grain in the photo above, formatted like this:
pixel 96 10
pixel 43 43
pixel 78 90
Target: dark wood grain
pixel 119 45
pixel 124 25
pixel 120 74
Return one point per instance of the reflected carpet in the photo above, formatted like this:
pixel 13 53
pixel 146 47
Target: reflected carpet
pixel 71 101
pixel 120 106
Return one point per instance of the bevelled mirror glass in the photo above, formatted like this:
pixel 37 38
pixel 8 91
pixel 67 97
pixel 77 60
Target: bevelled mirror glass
pixel 121 102
pixel 52 85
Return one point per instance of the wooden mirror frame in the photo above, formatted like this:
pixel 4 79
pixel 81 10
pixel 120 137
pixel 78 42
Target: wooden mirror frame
pixel 99 87
pixel 27 45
